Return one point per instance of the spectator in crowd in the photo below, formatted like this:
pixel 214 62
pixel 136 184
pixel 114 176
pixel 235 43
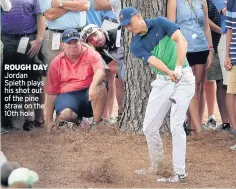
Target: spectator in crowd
pixel 75 83
pixel 6 6
pixel 215 71
pixel 61 15
pixel 105 42
pixel 92 16
pixel 23 24
pixel 221 7
pixel 192 17
pixel 230 62
pixel 109 24
pixel 210 85
pixel 160 43
pixel 106 20
pixel 97 17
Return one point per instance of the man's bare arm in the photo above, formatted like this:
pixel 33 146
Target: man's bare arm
pixel 94 89
pixel 171 10
pixel 102 5
pixel 54 13
pixel 75 5
pixel 49 107
pixel 157 63
pixel 228 41
pixel 36 44
pixel 98 78
pixel 207 29
pixel 214 27
pixel 41 25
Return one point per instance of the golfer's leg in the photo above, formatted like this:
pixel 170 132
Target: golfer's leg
pixel 184 93
pixel 158 106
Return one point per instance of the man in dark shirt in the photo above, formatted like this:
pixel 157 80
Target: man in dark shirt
pixel 110 46
pixel 22 33
pixel 215 71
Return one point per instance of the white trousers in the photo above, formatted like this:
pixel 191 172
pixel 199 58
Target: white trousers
pixel 221 52
pixel 158 105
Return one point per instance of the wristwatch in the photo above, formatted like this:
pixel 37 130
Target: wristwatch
pixel 212 50
pixel 60 3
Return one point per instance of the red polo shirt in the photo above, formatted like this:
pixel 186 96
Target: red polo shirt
pixel 64 76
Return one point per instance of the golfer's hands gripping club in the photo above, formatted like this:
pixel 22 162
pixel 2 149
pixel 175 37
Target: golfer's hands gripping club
pixel 175 75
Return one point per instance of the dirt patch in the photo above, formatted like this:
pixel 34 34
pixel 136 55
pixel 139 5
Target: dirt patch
pixel 102 173
pixel 106 158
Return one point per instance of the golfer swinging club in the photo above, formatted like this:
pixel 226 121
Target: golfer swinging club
pixel 160 43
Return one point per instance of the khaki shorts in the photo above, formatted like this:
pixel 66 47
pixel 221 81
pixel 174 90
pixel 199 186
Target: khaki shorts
pixel 232 81
pixel 221 52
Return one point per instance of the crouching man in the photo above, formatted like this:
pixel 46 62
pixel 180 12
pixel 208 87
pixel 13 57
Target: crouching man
pixel 74 83
pixel 109 44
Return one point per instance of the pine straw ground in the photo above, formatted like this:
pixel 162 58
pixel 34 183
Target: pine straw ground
pixel 107 158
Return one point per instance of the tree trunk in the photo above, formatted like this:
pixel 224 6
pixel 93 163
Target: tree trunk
pixel 139 76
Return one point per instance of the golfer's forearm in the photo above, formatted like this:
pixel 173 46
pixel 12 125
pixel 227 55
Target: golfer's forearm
pixel 153 61
pixel 182 46
pixel 49 107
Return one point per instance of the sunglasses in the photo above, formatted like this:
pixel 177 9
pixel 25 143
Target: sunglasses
pixel 70 34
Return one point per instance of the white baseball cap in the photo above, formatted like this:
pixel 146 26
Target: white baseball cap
pixel 88 30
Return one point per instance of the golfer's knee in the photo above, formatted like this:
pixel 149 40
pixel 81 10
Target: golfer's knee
pixel 148 132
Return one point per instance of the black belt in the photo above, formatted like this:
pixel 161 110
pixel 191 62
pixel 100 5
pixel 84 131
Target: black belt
pixel 61 31
pixel 110 19
pixel 15 36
